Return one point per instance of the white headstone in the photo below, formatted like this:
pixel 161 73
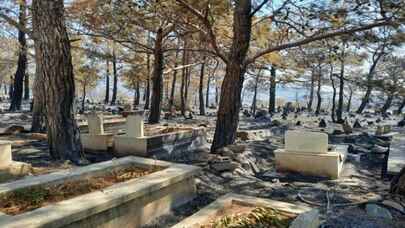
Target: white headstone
pixel 303 141
pixel 96 124
pixel 135 125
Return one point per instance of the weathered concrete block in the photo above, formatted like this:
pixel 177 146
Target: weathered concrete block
pixel 96 142
pixel 306 142
pixel 96 124
pixel 135 125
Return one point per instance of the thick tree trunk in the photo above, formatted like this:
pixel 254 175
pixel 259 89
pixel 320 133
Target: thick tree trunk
pixel 376 58
pixel 318 93
pixel 333 112
pixel 147 94
pixel 52 49
pixel 107 83
pixel 230 103
pixel 311 93
pixel 339 111
pixel 272 92
pixel 26 86
pixel 17 95
pixel 39 110
pixel 201 88
pixel 115 82
pixel 137 95
pixel 157 79
pixel 207 92
pixel 387 104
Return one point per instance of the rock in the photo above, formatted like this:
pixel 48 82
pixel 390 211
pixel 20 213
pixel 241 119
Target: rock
pixel 356 124
pixel 322 123
pixel 308 219
pixel 392 204
pixel 227 175
pixel 337 132
pixel 242 135
pixel 225 152
pixel 225 165
pixel 377 211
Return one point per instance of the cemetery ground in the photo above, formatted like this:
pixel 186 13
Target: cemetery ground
pixel 359 197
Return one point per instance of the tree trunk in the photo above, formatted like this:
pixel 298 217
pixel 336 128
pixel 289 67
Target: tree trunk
pixel 157 78
pixel 11 88
pixel 272 95
pixel 333 112
pixel 230 102
pixel 52 49
pixel 183 80
pixel 339 111
pixel 173 88
pixel 115 82
pixel 254 101
pixel 318 93
pixel 26 86
pixel 388 103
pixel 349 100
pixel 107 83
pixel 39 110
pixel 146 107
pixel 376 58
pixel 311 94
pixel 201 88
pixel 17 95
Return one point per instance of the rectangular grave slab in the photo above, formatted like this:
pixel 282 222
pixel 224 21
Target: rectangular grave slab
pixel 132 203
pixel 220 207
pixel 305 141
pixel 323 164
pixel 163 146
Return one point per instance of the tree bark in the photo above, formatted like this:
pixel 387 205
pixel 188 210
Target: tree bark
pixel 26 86
pixel 349 100
pixel 52 49
pixel 39 110
pixel 157 79
pixel 115 82
pixel 376 58
pixel 183 80
pixel 83 97
pixel 201 88
pixel 230 102
pixel 146 107
pixel 254 101
pixel 17 95
pixel 107 83
pixel 272 95
pixel 137 94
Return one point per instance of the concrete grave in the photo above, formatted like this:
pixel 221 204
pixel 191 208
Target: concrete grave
pixel 224 204
pixel 132 203
pixel 162 146
pixel 307 153
pixel 96 140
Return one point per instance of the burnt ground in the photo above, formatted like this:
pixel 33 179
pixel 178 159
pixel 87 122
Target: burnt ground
pixel 359 183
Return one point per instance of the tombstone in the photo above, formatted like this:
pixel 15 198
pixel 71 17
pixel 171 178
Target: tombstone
pixel 135 125
pixel 5 154
pixel 307 153
pixel 10 169
pixel 96 139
